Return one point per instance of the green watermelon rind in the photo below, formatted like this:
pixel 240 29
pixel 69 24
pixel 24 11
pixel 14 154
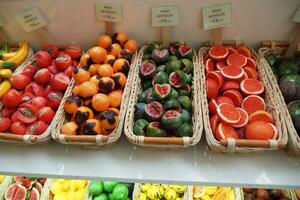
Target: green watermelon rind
pixel 152 131
pixel 171 123
pixel 139 126
pixel 184 130
pixel 160 97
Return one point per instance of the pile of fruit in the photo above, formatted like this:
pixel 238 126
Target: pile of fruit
pixel 164 106
pixel 64 189
pixel 37 91
pixel 161 192
pixel 213 193
pixel 104 190
pixel 236 105
pixel 1 178
pixel 264 194
pixel 9 60
pixel 286 70
pixel 100 81
pixel 25 188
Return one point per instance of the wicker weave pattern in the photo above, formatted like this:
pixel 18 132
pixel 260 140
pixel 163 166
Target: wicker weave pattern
pixel 294 139
pixel 26 139
pixel 89 140
pixel 164 142
pixel 271 103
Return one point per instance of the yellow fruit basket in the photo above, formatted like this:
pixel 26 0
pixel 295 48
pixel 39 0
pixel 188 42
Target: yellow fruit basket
pixel 147 191
pixel 278 48
pixel 214 193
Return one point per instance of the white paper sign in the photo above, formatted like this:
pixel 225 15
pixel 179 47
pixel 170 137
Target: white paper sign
pixel 217 16
pixel 296 17
pixel 165 16
pixel 31 20
pixel 108 11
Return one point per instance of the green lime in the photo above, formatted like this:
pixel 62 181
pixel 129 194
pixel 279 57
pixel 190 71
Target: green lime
pixel 95 188
pixel 109 186
pixel 120 192
pixel 102 196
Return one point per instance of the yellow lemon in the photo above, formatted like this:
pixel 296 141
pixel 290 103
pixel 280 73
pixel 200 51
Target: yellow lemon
pixel 77 184
pixel 205 197
pixel 71 195
pixel 210 190
pixel 80 194
pixel 1 178
pixel 56 188
pixel 66 186
pixel 61 196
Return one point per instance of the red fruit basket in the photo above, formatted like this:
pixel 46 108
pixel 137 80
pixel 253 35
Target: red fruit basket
pixel 240 144
pixel 278 48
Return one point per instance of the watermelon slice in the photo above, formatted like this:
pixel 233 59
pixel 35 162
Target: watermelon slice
pixel 252 86
pixel 228 113
pixel 218 52
pixel 237 60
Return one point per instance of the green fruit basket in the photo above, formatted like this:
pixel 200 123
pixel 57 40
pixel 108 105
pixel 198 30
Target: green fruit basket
pixel 159 141
pixel 279 49
pixel 231 145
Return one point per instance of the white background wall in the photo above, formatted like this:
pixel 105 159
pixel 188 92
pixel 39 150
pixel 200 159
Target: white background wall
pixel 73 21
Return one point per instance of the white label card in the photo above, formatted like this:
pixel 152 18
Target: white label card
pixel 31 20
pixel 109 11
pixel 296 17
pixel 217 16
pixel 165 16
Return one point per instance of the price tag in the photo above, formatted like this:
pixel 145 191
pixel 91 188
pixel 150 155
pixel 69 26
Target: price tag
pixel 108 11
pixel 217 16
pixel 31 20
pixel 165 16
pixel 296 17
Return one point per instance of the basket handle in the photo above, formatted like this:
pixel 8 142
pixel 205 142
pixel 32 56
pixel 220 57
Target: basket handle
pixel 84 138
pixel 253 143
pixel 233 43
pixel 19 138
pixel 268 43
pixel 167 141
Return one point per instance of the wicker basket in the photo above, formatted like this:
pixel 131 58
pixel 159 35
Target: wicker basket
pixel 137 190
pixel 294 139
pixel 293 195
pixel 25 139
pixel 92 140
pixel 164 142
pixel 243 145
pixel 9 180
pixel 237 193
pixel 286 193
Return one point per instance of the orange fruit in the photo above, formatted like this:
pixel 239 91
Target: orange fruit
pixel 251 63
pixel 131 45
pixel 214 121
pixel 81 75
pixel 93 69
pixel 251 73
pixel 97 54
pixel 252 86
pixel 253 103
pixel 259 130
pixel 72 104
pixel 121 65
pixel 82 114
pixel 237 60
pixel 212 106
pixel 110 59
pixel 105 70
pixel 104 41
pixel 224 99
pixel 95 79
pixel 235 96
pixel 108 119
pixel 224 131
pixel 243 120
pixel 261 115
pixel 218 52
pixel 114 49
pixel 212 88
pixel 231 50
pixel 91 127
pixel 100 102
pixel 233 73
pixel 245 51
pixel 229 85
pixel 106 132
pixel 87 89
pixel 75 90
pixel 106 85
pixel 119 38
pixel 70 128
pixel 217 76
pixel 116 110
pixel 209 65
pixel 120 80
pixel 85 60
pixel 115 98
pixel 228 113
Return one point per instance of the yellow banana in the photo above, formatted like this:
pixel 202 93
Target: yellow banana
pixel 6 56
pixel 21 54
pixel 5 73
pixel 4 87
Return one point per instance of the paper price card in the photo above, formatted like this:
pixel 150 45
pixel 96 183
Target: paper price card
pixel 165 16
pixel 31 20
pixel 217 16
pixel 108 11
pixel 296 17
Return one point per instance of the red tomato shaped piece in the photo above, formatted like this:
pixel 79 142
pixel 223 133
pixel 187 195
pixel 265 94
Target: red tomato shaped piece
pixel 74 51
pixel 12 98
pixel 62 62
pixel 46 115
pixel 42 59
pixel 27 113
pixel 20 81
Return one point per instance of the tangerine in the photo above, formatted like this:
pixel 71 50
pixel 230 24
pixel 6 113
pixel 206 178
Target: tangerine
pixel 88 89
pixel 100 102
pixel 119 38
pixel 85 60
pixel 131 45
pixel 224 131
pixel 120 80
pixel 121 65
pixel 105 70
pixel 97 54
pixel 81 75
pixel 82 114
pixel 104 41
pixel 253 103
pixel 262 115
pixel 72 104
pixel 110 59
pixel 108 119
pixel 106 85
pixel 75 90
pixel 259 130
pixel 70 128
pixel 95 79
pixel 115 98
pixel 116 110
pixel 93 69
pixel 114 49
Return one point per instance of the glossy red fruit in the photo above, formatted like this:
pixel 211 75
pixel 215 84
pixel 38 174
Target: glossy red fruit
pixel 224 99
pixel 75 63
pixel 7 112
pixel 27 113
pixel 40 102
pixel 209 65
pixel 74 51
pixel 218 52
pixel 60 82
pixel 42 59
pixel 20 81
pixel 217 76
pixel 36 128
pixel 29 71
pixel 212 88
pixel 14 117
pixel 43 76
pixel 214 121
pixel 46 115
pixel 212 106
pixel 243 120
pixel 69 71
pixel 4 124
pixel 12 99
pixel 51 49
pixel 18 128
pixel 54 99
pixel 35 89
pixel 62 62
pixel 235 96
pixel 228 113
pixel 52 69
pixel 224 131
pixel 27 97
pixel 229 85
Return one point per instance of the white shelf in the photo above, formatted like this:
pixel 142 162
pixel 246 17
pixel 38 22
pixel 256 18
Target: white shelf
pixel 125 162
